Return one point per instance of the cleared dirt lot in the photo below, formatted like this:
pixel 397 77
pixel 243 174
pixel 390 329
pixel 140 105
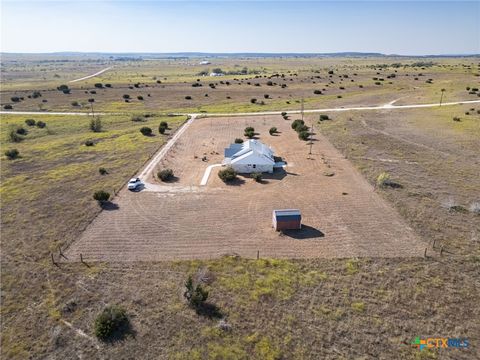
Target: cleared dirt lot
pixel 342 215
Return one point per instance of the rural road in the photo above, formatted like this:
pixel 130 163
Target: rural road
pixel 90 76
pixel 388 106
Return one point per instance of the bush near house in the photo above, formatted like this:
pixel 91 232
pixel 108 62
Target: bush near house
pixel 41 124
pixel 273 130
pixel 227 174
pixel 165 174
pixel 296 123
pixel 256 176
pixel 238 141
pixel 303 135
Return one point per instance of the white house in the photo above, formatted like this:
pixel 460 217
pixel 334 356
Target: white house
pixel 249 156
pixel 216 74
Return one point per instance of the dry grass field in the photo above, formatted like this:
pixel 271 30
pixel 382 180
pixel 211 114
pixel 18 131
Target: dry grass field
pixel 170 85
pixel 360 291
pixel 342 216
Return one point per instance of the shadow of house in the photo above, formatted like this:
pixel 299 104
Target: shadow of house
pixel 306 232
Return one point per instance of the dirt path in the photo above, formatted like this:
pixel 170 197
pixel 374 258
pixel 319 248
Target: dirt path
pixel 93 75
pixel 387 106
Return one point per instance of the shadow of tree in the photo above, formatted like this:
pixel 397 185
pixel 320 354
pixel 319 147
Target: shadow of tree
pixel 108 205
pixel 121 333
pixel 209 310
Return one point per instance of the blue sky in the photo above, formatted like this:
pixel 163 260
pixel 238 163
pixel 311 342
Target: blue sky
pixel 400 27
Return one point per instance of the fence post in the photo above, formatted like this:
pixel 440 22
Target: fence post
pixel 53 260
pixel 258 254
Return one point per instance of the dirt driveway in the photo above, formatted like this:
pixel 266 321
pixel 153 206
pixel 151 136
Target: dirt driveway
pixel 342 215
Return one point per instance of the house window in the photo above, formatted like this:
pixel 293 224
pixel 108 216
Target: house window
pixel 254 166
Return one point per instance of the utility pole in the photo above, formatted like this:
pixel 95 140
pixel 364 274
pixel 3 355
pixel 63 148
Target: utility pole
pixel 302 108
pixel 441 96
pixel 311 140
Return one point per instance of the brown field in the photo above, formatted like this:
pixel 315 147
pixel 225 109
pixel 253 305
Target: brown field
pixel 342 215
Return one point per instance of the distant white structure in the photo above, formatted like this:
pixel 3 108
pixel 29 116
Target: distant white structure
pixel 216 74
pixel 204 62
pixel 249 157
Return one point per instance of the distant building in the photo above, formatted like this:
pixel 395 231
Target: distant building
pixel 249 157
pixel 216 74
pixel 205 62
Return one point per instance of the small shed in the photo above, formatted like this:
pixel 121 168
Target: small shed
pixel 287 219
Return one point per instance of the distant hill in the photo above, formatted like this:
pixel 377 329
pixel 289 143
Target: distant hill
pixel 140 56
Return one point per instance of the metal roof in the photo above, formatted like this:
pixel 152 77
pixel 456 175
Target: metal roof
pixel 286 212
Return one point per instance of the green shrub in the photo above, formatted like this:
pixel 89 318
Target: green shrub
pixel 110 320
pixel 146 131
pixel 273 130
pixel 324 117
pixel 36 94
pixel 188 97
pixel 89 143
pixel 21 131
pixel 96 125
pixel 165 174
pixel 30 122
pixel 194 293
pixel 296 123
pixel 101 196
pixel 140 97
pixel 256 176
pixel 41 124
pixel 253 100
pixel 227 174
pixel 238 141
pixel 162 127
pixel 8 107
pixel 98 85
pixel 301 128
pixel 12 154
pixel 317 92
pixel 303 135
pixel 383 180
pixel 102 171
pixel 456 118
pixel 14 136
pixel 249 134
